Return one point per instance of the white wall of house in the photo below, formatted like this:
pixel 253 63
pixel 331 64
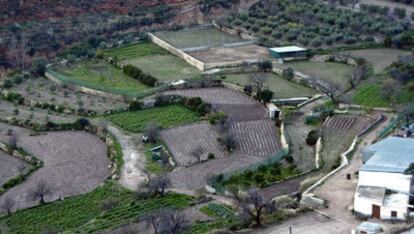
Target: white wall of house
pixel 363 205
pixel 393 181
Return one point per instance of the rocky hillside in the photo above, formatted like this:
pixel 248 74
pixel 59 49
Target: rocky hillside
pixel 17 10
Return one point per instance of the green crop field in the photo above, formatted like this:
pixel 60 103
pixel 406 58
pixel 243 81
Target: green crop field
pixel 332 72
pixel 197 38
pixel 165 67
pixel 99 75
pixel 154 60
pixel 370 95
pixel 86 213
pixel 166 116
pixel 135 50
pixel 282 88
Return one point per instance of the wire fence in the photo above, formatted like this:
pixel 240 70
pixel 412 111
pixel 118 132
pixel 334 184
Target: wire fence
pixel 395 122
pixel 216 181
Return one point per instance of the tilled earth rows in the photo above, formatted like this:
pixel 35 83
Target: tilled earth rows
pixel 183 140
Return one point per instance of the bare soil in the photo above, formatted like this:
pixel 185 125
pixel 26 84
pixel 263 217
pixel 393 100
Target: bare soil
pixel 42 90
pixel 236 105
pixel 241 53
pixel 74 163
pixel 9 167
pixel 183 140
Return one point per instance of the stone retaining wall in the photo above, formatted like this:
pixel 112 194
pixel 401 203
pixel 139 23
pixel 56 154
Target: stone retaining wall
pixel 179 53
pixel 84 89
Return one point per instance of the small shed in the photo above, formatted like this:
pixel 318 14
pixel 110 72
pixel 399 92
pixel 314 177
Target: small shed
pixel 288 52
pixel 369 228
pixel 273 110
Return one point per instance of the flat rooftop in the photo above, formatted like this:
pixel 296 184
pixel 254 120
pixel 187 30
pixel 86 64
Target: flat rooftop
pixel 393 155
pixel 287 49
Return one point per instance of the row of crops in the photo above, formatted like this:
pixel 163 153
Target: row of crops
pixel 87 213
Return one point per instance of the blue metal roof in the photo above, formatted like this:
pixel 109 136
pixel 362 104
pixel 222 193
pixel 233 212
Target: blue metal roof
pixel 393 154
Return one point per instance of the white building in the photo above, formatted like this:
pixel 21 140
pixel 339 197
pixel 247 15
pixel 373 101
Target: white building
pixel 384 186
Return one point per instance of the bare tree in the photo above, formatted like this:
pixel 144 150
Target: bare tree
pixel 155 219
pixel 197 152
pixel 39 192
pixel 21 169
pixel 230 142
pixel 8 205
pixel 258 81
pixel 254 205
pixel 329 89
pixel 176 222
pixel 152 131
pixel 355 75
pixel 159 184
pixel 12 142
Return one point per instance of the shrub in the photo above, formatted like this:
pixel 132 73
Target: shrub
pixel 138 74
pixel 266 95
pixel 216 117
pixel 211 156
pixel 312 137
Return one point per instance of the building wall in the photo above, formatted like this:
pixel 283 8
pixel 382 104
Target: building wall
pixel 394 181
pixel 363 206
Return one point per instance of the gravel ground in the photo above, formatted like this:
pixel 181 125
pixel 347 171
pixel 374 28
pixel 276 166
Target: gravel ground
pixel 74 163
pixel 9 167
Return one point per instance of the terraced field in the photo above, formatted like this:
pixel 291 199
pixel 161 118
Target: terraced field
pixel 183 140
pixel 257 138
pixel 338 132
pixel 74 163
pixel 42 90
pixel 236 105
pixel 10 167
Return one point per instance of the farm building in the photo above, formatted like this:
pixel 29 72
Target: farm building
pixel 288 52
pixel 384 185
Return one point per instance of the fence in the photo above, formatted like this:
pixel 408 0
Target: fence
pixel 392 125
pixel 216 181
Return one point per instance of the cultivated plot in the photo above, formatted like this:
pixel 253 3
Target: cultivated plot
pixel 10 167
pixel 281 88
pixel 99 75
pixel 74 163
pixel 165 116
pixel 379 58
pixel 182 141
pixel 154 60
pixel 338 132
pixel 197 38
pixel 236 105
pixel 257 138
pixel 336 73
pixel 41 90
pixel 240 53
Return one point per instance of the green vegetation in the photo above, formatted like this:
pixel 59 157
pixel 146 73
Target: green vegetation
pixel 155 61
pixel 165 67
pixel 332 72
pixel 99 75
pixel 281 87
pixel 262 177
pixel 224 218
pixel 165 116
pixel 279 22
pixel 370 95
pixel 118 158
pixel 135 50
pixel 106 207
